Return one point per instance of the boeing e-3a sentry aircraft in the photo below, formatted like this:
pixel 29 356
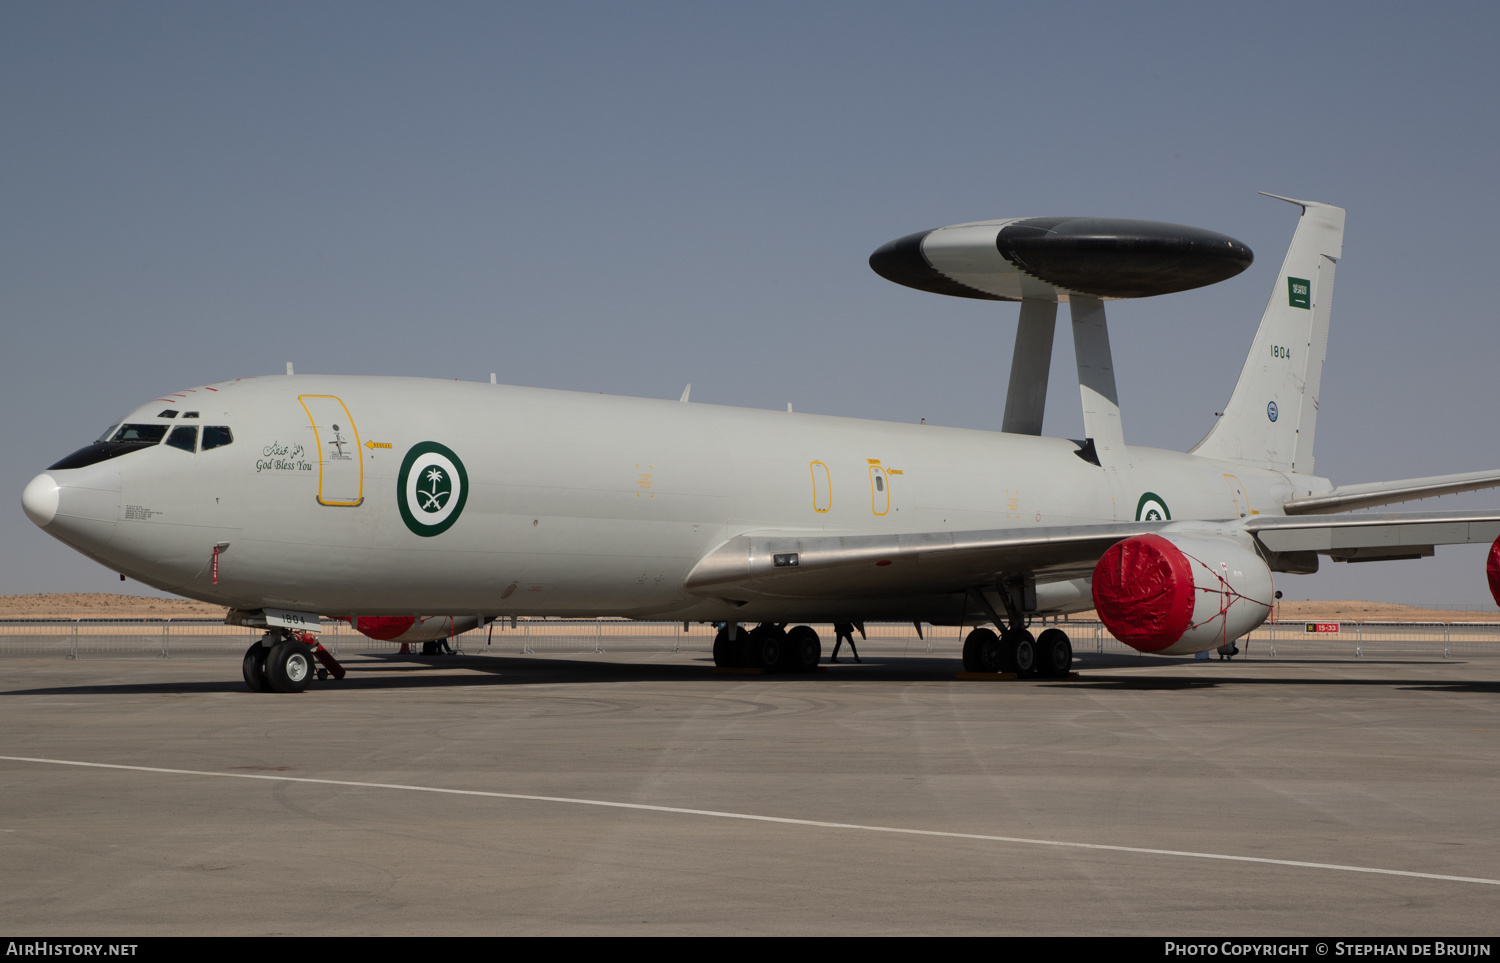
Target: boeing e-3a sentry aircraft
pixel 286 498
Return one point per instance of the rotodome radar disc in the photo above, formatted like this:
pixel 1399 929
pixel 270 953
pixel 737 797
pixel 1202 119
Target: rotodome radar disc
pixel 1052 257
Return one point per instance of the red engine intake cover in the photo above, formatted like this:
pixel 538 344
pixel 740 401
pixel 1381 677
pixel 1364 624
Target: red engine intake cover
pixel 1143 592
pixel 1492 569
pixel 383 628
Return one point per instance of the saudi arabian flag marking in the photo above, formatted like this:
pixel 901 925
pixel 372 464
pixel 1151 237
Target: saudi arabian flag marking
pixel 431 488
pixel 1299 293
pixel 1151 508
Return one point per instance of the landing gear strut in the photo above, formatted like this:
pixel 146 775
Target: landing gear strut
pixel 1054 651
pixel 1014 650
pixel 1020 646
pixel 1017 650
pixel 768 646
pixel 764 647
pixel 804 650
pixel 982 649
pixel 283 661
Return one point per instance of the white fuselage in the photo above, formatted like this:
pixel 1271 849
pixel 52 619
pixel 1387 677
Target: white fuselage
pixel 577 504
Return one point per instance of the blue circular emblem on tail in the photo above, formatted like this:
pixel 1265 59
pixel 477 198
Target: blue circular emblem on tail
pixel 1271 410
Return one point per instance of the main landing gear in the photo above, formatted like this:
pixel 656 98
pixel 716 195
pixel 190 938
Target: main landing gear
pixel 283 661
pixel 1049 656
pixel 770 646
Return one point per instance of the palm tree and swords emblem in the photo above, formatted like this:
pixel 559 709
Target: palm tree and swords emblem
pixel 440 487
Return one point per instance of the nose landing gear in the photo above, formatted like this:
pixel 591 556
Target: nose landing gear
pixel 283 661
pixel 254 667
pixel 289 666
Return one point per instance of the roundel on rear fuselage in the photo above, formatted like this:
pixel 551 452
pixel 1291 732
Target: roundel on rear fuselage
pixel 1152 508
pixel 431 488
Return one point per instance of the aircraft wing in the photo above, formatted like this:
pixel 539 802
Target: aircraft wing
pixel 1348 498
pixel 792 565
pixel 1389 535
pixel 816 565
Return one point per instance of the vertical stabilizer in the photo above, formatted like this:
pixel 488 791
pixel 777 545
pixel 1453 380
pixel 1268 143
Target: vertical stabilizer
pixel 1271 417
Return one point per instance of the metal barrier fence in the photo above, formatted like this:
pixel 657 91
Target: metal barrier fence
pixel 1330 639
pixel 172 638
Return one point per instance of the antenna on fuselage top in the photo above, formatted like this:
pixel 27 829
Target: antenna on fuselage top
pixel 686 391
pixel 289 368
pixel 1041 261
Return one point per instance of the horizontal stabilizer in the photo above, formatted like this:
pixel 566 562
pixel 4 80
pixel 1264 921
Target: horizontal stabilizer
pixel 1375 536
pixel 1347 498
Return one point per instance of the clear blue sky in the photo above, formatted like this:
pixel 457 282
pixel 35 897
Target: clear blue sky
pixel 628 197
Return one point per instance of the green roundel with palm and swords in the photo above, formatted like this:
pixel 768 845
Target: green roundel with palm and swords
pixel 431 488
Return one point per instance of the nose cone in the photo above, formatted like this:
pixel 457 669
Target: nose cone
pixel 40 499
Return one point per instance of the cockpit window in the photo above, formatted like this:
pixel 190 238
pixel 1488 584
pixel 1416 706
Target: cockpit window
pixel 216 436
pixel 116 442
pixel 184 437
pixel 190 414
pixel 126 438
pixel 107 432
pixel 148 434
pixel 169 413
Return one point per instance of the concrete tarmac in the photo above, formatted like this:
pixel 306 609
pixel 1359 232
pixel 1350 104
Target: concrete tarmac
pixel 387 803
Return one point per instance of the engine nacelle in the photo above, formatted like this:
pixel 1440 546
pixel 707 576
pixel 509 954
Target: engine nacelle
pixel 412 628
pixel 1178 594
pixel 1492 570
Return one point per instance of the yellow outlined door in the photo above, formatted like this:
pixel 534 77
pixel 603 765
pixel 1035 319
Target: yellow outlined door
pixel 341 472
pixel 880 489
pixel 822 487
pixel 1241 503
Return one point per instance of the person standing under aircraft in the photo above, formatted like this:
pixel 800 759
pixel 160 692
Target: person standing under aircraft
pixel 841 632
